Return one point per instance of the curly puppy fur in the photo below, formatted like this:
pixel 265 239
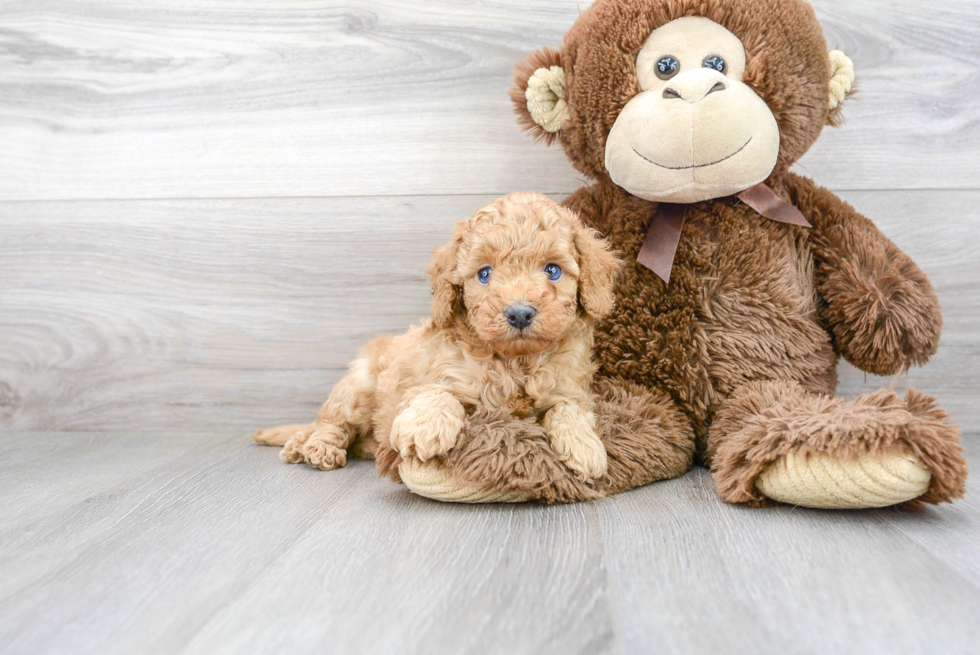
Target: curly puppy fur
pixel 411 394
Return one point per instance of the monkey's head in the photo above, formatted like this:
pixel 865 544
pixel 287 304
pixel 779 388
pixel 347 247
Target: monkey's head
pixel 682 100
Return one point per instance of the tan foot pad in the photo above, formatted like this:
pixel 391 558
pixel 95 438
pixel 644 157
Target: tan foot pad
pixel 822 481
pixel 433 481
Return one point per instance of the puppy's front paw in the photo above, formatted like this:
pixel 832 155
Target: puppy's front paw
pixel 427 429
pixel 583 453
pixel 574 440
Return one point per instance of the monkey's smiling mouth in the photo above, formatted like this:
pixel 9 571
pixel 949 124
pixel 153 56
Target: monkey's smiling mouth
pixel 684 168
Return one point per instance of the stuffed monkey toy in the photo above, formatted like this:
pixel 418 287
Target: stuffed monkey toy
pixel 744 282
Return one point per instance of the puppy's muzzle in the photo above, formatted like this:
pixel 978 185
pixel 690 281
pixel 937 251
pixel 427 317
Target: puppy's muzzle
pixel 520 315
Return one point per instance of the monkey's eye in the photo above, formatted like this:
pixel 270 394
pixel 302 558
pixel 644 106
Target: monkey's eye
pixel 716 62
pixel 553 271
pixel 667 67
pixel 483 276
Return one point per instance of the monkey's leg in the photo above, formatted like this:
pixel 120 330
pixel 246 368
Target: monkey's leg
pixel 499 458
pixel 774 441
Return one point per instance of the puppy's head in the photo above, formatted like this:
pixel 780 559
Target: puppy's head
pixel 521 272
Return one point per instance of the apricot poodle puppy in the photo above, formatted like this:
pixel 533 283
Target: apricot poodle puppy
pixel 515 296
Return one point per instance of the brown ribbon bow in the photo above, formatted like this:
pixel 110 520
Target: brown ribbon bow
pixel 664 233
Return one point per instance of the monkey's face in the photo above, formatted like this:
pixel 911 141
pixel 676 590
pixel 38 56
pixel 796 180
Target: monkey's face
pixel 695 131
pixel 685 100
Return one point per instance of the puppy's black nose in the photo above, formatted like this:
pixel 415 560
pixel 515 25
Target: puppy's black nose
pixel 520 315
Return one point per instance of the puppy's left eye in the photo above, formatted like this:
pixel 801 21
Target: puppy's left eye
pixel 553 271
pixel 483 276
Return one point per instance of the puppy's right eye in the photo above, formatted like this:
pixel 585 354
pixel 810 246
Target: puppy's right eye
pixel 483 277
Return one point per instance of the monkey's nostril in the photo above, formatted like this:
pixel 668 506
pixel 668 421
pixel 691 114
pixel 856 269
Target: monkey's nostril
pixel 669 93
pixel 719 86
pixel 520 315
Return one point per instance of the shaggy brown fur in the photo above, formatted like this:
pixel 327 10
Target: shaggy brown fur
pixel 412 393
pixel 756 314
pixel 646 439
pixel 765 420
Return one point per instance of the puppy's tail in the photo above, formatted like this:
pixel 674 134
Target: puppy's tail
pixel 278 436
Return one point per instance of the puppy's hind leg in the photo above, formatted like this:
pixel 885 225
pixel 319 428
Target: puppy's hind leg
pixel 279 435
pixel 290 437
pixel 344 419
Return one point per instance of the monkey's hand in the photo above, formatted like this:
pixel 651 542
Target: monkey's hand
pixel 878 304
pixel 884 313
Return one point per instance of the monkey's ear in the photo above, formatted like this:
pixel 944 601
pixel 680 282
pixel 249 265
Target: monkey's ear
pixel 598 267
pixel 539 93
pixel 447 295
pixel 841 84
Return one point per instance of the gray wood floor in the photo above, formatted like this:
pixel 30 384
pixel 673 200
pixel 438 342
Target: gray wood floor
pixel 207 207
pixel 206 543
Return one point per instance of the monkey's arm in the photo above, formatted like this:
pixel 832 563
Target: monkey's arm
pixel 879 305
pixel 584 203
pixel 602 205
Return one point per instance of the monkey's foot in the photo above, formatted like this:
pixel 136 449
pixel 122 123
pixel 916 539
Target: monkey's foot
pixel 775 441
pixel 822 481
pixel 434 481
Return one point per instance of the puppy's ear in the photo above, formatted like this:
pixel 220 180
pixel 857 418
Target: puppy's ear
pixel 597 272
pixel 447 295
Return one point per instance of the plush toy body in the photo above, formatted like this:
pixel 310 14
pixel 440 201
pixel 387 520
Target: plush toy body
pixel 726 338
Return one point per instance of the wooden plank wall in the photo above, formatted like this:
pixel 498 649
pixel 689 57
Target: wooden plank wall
pixel 205 208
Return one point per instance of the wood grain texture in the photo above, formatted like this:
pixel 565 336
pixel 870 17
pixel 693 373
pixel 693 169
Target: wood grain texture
pixel 240 313
pixel 207 208
pixel 153 99
pixel 781 580
pixel 206 543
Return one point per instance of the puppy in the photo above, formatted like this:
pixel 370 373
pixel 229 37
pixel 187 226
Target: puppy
pixel 515 296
